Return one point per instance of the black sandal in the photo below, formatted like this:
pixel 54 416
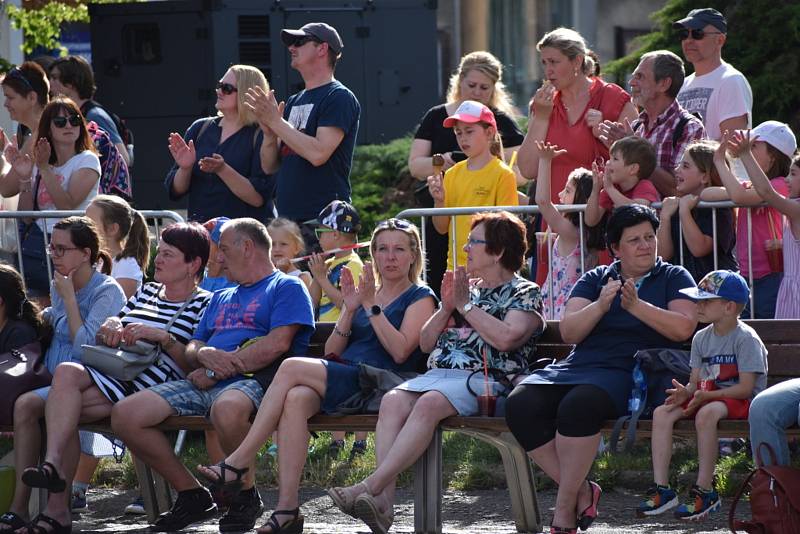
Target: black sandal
pixel 44 476
pixel 57 528
pixel 219 486
pixel 293 526
pixel 10 519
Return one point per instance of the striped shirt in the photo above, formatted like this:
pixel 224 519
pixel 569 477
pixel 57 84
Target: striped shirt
pixel 149 307
pixel 668 154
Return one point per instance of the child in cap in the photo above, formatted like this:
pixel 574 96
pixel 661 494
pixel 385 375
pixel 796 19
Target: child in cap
pixel 624 180
pixel 337 227
pixel 729 367
pixel 483 179
pixel 769 152
pixel 213 279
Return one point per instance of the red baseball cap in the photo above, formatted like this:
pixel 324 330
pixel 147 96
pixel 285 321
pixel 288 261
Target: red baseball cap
pixel 471 111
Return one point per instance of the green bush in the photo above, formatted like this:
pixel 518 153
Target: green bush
pixel 763 40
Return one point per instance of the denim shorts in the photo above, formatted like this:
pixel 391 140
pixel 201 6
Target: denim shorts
pixel 186 399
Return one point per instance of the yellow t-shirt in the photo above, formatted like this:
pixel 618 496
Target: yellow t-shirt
pixel 493 185
pixel 327 311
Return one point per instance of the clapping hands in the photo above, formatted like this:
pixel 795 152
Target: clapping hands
pixel 182 152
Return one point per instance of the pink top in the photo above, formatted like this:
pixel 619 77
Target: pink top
pixel 582 147
pixel 761 232
pixel 643 189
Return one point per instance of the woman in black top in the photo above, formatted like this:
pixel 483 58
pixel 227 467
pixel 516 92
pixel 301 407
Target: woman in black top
pixel 19 317
pixel 478 78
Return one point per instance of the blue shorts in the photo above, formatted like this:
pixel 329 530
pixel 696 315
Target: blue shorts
pixel 186 399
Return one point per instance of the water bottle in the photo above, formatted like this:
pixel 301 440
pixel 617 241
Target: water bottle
pixel 639 390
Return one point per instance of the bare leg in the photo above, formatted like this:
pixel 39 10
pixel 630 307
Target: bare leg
pixel 214 447
pixel 575 459
pixel 310 372
pixel 133 419
pixel 410 442
pixel 301 403
pixel 664 418
pixel 230 415
pixel 86 467
pixel 395 408
pixel 706 422
pixel 28 409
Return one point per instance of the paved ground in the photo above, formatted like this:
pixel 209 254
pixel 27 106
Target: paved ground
pixel 472 512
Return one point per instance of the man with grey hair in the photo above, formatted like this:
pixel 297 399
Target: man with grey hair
pixel 233 355
pixel 663 121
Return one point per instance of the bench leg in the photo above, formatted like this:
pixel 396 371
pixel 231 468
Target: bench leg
pixel 144 475
pixel 428 488
pixel 519 476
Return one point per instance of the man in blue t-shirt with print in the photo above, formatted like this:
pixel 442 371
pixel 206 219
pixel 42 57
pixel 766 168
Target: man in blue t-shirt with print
pixel 243 336
pixel 309 140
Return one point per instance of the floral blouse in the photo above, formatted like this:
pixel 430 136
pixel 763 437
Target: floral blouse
pixel 461 347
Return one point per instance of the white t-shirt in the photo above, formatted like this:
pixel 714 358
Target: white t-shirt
pixel 85 160
pixel 127 268
pixel 721 94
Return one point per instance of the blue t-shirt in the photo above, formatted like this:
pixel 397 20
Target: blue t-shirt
pixel 605 356
pixel 241 313
pixel 209 197
pixel 303 189
pixel 215 283
pixel 365 347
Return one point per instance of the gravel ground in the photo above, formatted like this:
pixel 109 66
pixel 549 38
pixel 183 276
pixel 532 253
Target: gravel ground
pixel 464 512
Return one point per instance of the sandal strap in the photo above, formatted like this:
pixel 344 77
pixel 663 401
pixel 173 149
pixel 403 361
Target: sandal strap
pixel 239 472
pixel 35 528
pixel 272 522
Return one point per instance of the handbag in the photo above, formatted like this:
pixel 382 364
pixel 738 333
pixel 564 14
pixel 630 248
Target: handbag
pixel 21 370
pixel 126 362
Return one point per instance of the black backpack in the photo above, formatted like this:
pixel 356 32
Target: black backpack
pixel 652 376
pixel 122 126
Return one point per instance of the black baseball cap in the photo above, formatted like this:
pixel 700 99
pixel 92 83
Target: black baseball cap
pixel 339 215
pixel 319 30
pixel 697 19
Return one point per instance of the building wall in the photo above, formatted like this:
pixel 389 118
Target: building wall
pixel 10 41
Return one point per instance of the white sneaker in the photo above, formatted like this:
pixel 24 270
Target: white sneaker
pixel 136 507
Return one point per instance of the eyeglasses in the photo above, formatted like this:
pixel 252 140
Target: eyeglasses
pixel 300 41
pixel 17 75
pixel 226 88
pixel 697 35
pixel 319 231
pixel 394 224
pixel 58 251
pixel 471 241
pixel 74 120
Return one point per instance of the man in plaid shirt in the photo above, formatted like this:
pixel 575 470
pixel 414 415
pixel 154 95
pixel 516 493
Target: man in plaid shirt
pixel 668 126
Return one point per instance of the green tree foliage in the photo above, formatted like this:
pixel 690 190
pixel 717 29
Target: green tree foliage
pixel 763 43
pixel 41 23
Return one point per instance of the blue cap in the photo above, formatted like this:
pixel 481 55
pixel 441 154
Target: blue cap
pixel 721 284
pixel 697 19
pixel 214 227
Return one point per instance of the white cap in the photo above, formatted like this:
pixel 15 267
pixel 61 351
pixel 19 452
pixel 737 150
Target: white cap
pixel 777 134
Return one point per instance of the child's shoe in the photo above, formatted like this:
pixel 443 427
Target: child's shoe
pixel 359 448
pixel 659 500
pixel 701 504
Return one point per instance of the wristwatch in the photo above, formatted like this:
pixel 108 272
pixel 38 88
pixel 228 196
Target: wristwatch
pixel 211 374
pixel 466 308
pixel 374 310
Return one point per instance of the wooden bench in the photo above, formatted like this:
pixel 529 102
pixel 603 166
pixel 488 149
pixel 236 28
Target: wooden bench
pixel 782 338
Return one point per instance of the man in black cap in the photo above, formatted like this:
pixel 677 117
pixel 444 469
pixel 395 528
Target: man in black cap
pixel 716 90
pixel 309 140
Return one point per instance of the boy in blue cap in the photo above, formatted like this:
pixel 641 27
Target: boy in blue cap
pixel 729 367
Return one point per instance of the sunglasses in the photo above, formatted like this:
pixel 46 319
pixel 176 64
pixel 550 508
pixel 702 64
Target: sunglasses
pixel 226 88
pixel 61 121
pixel 394 224
pixel 319 231
pixel 300 41
pixel 697 35
pixel 16 74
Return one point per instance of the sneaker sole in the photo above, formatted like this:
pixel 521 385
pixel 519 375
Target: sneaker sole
pixel 669 505
pixel 705 513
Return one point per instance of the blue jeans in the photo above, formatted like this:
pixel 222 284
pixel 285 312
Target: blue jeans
pixel 771 413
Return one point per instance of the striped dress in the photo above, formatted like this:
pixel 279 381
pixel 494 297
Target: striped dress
pixel 149 307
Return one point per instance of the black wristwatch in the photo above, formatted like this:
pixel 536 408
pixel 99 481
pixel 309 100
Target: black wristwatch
pixel 374 310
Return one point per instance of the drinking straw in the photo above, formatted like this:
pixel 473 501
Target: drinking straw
pixel 333 251
pixel 485 372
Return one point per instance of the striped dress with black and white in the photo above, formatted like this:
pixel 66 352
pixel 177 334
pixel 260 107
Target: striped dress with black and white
pixel 149 307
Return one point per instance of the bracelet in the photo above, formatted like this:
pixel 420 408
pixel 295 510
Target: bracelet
pixel 340 333
pixel 170 341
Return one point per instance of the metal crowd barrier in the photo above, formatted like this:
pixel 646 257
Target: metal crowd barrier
pixel 150 215
pixel 423 213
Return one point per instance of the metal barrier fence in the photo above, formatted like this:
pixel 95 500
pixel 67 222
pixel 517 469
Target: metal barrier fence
pixel 150 215
pixel 423 213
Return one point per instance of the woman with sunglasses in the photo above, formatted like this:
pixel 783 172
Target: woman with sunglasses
pixel 82 298
pixel 62 173
pixel 218 162
pixel 494 318
pixel 379 325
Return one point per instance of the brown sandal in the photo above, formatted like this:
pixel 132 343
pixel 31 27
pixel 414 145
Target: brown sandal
pixel 345 500
pixel 293 526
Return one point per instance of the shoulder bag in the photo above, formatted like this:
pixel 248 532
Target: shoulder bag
pixel 21 370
